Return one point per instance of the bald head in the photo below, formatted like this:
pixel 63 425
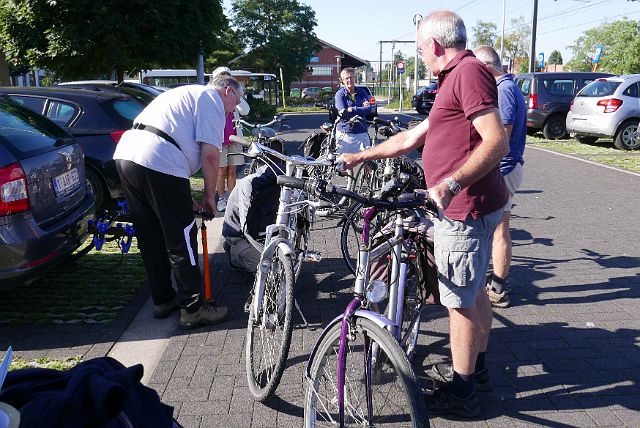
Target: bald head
pixel 446 27
pixel 490 57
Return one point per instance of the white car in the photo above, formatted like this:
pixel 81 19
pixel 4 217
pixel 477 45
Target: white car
pixel 609 107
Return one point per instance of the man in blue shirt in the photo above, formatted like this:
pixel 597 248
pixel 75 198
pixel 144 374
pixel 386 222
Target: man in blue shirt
pixel 352 137
pixel 514 118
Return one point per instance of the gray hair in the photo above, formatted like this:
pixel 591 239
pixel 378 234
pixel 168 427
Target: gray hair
pixel 222 81
pixel 489 56
pixel 446 27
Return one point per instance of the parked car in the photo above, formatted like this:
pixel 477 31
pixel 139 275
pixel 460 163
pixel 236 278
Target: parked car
pixel 151 90
pixel 310 92
pixel 44 203
pixel 607 108
pixel 423 100
pixel 548 97
pixel 143 93
pixel 333 111
pixel 96 119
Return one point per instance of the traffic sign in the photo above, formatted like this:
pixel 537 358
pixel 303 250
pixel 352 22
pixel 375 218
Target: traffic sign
pixel 541 60
pixel 597 54
pixel 400 67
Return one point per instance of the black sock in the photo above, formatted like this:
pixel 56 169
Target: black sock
pixel 480 362
pixel 498 284
pixel 462 388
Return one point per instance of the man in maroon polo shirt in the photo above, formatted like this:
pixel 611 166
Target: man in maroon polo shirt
pixel 464 141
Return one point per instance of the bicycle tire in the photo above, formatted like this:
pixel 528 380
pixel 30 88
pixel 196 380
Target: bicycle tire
pixel 412 307
pixel 395 391
pixel 301 244
pixel 350 236
pixel 271 329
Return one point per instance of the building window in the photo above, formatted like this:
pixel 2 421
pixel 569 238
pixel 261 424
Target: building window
pixel 322 71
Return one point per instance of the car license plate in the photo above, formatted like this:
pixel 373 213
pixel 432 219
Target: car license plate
pixel 66 182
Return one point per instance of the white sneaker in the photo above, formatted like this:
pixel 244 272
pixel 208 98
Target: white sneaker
pixel 222 204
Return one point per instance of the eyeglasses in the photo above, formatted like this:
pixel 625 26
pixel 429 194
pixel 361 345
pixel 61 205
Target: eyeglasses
pixel 238 97
pixel 422 47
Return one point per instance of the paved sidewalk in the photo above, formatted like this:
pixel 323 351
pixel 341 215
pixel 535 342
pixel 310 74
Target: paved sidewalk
pixel 566 354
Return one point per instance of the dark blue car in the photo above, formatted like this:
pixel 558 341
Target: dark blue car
pixel 44 203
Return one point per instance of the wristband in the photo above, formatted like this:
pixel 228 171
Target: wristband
pixel 454 187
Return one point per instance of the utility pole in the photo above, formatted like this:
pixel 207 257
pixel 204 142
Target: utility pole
pixel 416 21
pixel 532 50
pixel 504 4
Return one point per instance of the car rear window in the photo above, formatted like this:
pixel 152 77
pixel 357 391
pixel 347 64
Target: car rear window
pixel 524 85
pixel 599 88
pixel 25 133
pixel 559 86
pixel 124 110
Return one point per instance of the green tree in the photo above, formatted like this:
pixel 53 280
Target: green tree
pixel 410 66
pixel 621 41
pixel 516 40
pixel 555 58
pixel 277 34
pixel 84 38
pixel 484 33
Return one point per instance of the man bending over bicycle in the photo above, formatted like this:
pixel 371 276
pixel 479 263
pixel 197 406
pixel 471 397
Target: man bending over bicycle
pixel 464 141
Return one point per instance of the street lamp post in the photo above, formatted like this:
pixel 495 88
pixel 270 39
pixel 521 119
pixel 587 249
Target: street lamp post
pixel 338 61
pixel 416 21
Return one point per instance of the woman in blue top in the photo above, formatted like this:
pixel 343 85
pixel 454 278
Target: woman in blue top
pixel 352 137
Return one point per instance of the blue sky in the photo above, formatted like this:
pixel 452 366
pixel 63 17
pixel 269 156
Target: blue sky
pixel 357 25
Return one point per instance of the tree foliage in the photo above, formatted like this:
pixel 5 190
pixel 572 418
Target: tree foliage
pixel 484 33
pixel 517 39
pixel 277 34
pixel 621 41
pixel 555 58
pixel 85 38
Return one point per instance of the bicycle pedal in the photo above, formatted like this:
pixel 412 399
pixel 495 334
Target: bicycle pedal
pixel 313 257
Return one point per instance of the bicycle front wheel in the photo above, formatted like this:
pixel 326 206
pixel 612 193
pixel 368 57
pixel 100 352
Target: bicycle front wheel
pixel 395 398
pixel 269 331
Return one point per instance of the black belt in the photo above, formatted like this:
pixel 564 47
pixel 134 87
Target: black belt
pixel 159 132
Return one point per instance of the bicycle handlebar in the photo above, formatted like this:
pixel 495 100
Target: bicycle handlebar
pixel 276 119
pixel 262 150
pixel 204 215
pixel 322 188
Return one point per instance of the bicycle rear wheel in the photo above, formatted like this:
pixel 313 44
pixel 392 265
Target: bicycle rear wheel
pixel 412 307
pixel 269 332
pixel 395 396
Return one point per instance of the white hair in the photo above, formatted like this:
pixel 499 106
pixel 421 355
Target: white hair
pixel 446 27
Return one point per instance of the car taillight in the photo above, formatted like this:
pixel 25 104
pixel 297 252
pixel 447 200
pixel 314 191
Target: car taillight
pixel 13 190
pixel 533 101
pixel 571 106
pixel 610 105
pixel 116 135
pixel 372 101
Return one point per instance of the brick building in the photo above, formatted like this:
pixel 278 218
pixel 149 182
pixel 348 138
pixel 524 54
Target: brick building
pixel 325 65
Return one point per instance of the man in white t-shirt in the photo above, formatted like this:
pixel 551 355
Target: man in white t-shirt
pixel 175 134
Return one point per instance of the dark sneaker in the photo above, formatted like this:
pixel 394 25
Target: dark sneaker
pixel 443 372
pixel 205 315
pixel 498 294
pixel 445 403
pixel 164 310
pixel 498 300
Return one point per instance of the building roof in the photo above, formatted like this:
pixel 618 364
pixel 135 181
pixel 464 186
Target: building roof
pixel 348 60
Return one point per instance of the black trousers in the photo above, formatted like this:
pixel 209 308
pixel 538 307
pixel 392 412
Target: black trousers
pixel 162 212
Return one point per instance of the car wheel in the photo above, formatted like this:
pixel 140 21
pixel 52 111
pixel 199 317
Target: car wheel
pixel 627 136
pixel 420 111
pixel 96 187
pixel 554 128
pixel 586 140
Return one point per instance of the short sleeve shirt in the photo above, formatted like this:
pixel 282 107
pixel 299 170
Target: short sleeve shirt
pixel 513 112
pixel 465 87
pixel 191 115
